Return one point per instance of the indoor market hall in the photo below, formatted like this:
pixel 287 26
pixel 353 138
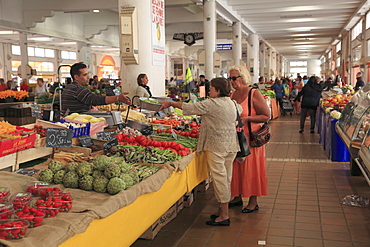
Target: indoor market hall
pixel 303 206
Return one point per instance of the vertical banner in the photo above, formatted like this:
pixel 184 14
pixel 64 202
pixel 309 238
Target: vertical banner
pixel 158 35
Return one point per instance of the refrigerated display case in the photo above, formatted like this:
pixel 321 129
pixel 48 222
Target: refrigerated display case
pixel 352 126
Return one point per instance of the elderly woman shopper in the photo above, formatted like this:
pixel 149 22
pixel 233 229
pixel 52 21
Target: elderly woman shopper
pixel 311 94
pixel 249 176
pixel 217 139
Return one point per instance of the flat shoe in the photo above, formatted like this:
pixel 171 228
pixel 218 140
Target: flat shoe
pixel 220 223
pixel 300 131
pixel 234 204
pixel 214 216
pixel 247 211
pixel 312 132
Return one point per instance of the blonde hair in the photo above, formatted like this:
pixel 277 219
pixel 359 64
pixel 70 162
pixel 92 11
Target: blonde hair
pixel 243 72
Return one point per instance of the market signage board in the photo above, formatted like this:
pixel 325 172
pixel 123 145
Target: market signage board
pixel 112 142
pixel 158 33
pixel 224 47
pixel 105 136
pixel 58 138
pixel 86 141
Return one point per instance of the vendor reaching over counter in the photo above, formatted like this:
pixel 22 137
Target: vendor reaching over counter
pixel 77 98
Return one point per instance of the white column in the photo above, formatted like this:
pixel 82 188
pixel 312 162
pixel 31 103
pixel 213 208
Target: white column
pixel 269 65
pixel 83 54
pixel 313 67
pixel 253 40
pixel 209 32
pixel 129 72
pixel 24 54
pixel 237 42
pixel 262 59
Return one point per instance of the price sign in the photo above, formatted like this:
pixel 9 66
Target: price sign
pixel 105 136
pixel 121 126
pixel 86 141
pixel 58 138
pixel 174 134
pixel 112 142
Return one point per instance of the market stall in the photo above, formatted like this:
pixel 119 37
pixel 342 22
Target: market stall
pixel 147 167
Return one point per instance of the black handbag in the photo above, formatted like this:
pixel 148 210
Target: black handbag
pixel 243 141
pixel 260 137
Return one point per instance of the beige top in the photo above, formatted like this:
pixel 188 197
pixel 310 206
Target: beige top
pixel 141 92
pixel 218 130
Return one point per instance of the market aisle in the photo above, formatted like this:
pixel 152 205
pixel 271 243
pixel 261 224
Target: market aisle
pixel 302 209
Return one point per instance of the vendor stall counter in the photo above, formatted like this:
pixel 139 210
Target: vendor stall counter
pixel 126 225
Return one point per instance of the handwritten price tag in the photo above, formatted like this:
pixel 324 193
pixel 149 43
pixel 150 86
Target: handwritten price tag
pixel 58 138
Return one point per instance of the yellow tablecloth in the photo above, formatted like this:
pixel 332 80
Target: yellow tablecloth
pixel 127 224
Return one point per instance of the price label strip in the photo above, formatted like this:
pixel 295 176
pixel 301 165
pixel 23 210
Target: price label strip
pixel 112 142
pixel 105 136
pixel 86 141
pixel 58 138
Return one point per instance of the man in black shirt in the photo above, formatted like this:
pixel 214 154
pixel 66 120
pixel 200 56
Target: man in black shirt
pixel 204 82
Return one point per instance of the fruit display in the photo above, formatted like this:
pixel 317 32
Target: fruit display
pixel 83 118
pixel 130 131
pixel 6 210
pixel 34 216
pixel 268 93
pixel 20 200
pixel 35 187
pixel 40 130
pixel 338 101
pixel 13 228
pixel 50 207
pixel 4 194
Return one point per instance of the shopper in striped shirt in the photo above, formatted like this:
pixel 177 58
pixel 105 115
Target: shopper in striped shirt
pixel 77 98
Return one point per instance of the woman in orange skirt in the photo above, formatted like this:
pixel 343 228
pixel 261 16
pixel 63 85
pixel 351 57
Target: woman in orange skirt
pixel 249 178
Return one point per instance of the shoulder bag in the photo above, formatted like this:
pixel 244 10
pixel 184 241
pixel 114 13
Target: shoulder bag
pixel 262 136
pixel 243 141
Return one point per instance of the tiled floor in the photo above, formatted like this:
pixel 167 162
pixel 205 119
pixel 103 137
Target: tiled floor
pixel 302 209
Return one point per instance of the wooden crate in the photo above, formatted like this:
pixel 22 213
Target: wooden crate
pixel 8 161
pixel 32 154
pixel 153 230
pixel 19 121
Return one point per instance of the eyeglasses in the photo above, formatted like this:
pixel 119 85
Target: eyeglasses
pixel 233 78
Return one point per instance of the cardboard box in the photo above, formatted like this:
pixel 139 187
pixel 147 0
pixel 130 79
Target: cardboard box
pixel 188 199
pixel 153 230
pixel 9 146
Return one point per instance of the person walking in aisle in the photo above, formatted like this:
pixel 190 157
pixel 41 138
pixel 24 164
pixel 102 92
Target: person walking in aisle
pixel 278 88
pixel 310 94
pixel 249 178
pixel 217 139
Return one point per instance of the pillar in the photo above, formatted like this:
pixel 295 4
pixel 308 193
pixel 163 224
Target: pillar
pixel 262 59
pixel 209 34
pixel 146 42
pixel 253 40
pixel 237 42
pixel 313 67
pixel 24 54
pixel 83 54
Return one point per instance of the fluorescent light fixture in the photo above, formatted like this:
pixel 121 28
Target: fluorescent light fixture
pixel 68 43
pixel 301 20
pixel 96 46
pixel 294 16
pixel 41 39
pixel 299 29
pixel 112 49
pixel 96 10
pixel 8 32
pixel 304 46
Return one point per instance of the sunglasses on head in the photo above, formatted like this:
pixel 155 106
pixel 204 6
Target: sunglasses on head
pixel 234 78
